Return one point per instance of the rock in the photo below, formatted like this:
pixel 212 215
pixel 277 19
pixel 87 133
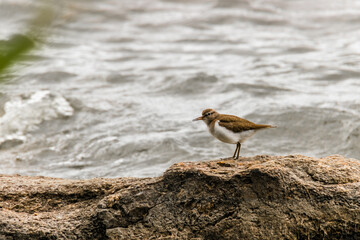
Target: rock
pixel 261 197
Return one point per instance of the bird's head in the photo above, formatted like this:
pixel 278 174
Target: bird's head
pixel 208 115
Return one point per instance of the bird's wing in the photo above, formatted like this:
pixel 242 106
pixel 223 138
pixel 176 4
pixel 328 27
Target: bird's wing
pixel 237 124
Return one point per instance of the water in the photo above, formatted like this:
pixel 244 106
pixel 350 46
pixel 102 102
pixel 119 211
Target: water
pixel 113 90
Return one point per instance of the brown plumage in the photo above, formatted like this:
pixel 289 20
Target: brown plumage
pixel 229 128
pixel 237 124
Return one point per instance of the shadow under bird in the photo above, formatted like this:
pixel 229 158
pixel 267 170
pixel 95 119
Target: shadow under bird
pixel 230 129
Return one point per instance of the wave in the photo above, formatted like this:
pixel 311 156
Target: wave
pixel 24 113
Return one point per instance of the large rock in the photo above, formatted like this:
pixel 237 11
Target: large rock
pixel 262 197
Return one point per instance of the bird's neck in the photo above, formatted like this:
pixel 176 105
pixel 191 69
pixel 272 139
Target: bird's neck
pixel 209 122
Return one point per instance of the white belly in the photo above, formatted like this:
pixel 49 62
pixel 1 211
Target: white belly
pixel 228 136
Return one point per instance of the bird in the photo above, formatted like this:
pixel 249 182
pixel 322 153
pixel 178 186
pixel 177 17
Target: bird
pixel 229 128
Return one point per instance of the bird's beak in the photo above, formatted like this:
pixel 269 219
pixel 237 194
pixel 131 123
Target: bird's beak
pixel 197 119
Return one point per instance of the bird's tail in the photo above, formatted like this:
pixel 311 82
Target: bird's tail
pixel 261 126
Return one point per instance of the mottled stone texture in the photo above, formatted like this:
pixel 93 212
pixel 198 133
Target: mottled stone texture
pixel 261 197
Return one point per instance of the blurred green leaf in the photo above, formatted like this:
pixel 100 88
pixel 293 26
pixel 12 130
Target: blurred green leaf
pixel 18 45
pixel 11 50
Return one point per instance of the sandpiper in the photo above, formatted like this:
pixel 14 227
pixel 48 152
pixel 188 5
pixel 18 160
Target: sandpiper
pixel 230 129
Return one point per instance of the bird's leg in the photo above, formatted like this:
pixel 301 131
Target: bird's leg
pixel 237 145
pixel 236 150
pixel 237 157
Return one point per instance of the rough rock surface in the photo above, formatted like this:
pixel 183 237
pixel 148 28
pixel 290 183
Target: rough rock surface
pixel 262 197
